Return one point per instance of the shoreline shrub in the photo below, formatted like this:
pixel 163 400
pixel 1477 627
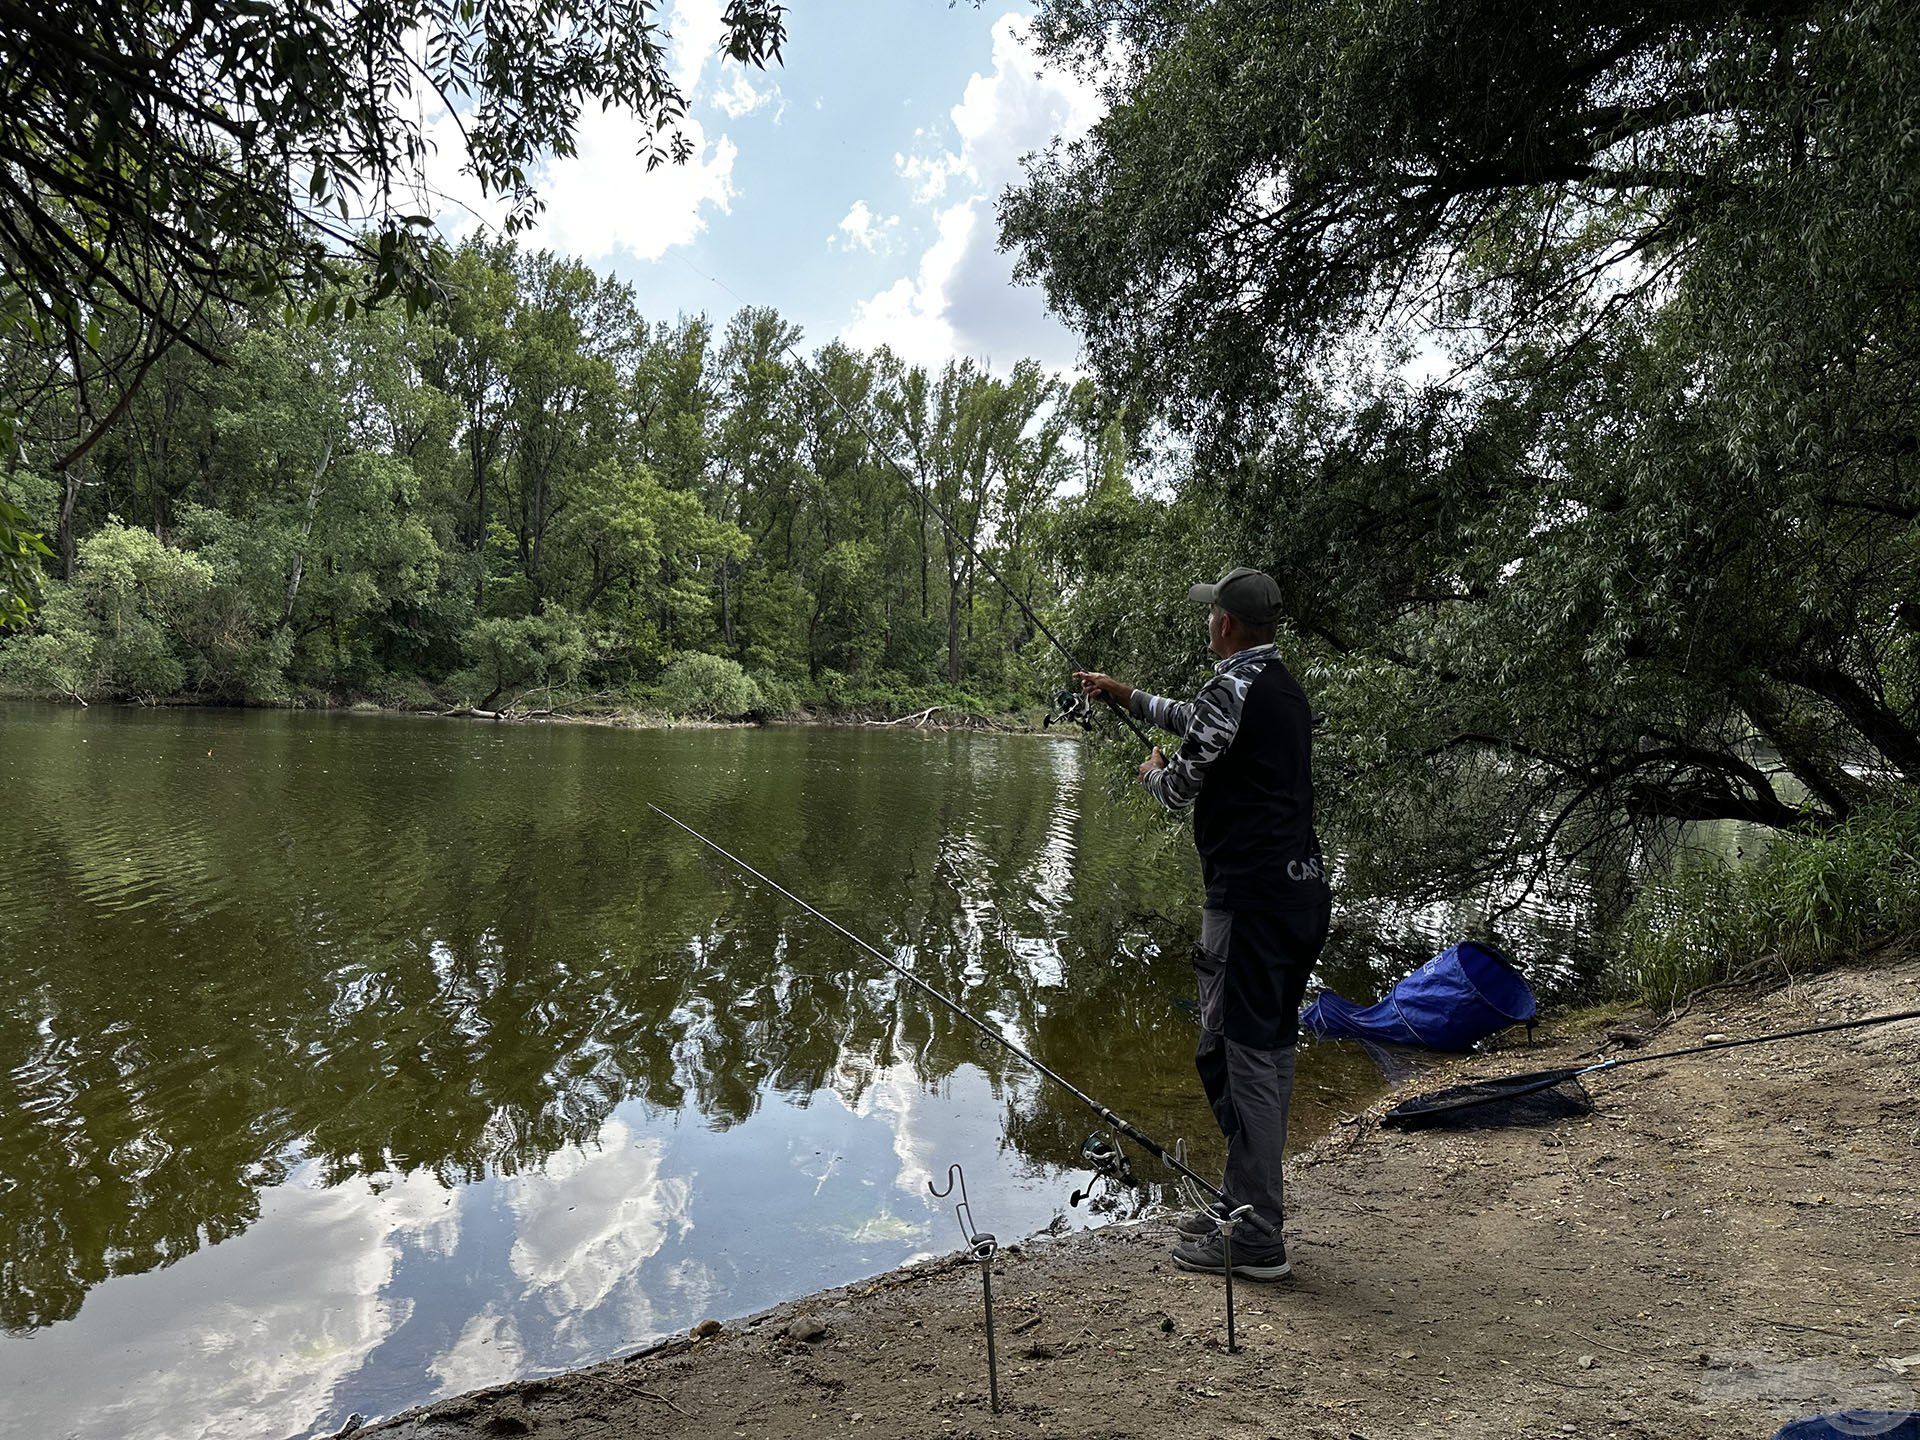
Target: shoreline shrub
pixel 711 687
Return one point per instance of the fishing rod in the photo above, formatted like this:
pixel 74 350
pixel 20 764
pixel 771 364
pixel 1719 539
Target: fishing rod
pixel 1111 1165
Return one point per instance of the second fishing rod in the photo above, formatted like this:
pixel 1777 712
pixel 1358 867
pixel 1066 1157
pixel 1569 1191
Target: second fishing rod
pixel 1107 1117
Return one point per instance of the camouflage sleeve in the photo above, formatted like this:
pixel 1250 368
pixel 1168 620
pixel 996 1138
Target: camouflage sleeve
pixel 1211 722
pixel 1170 715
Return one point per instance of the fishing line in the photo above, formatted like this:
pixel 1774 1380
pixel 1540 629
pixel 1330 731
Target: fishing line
pixel 1107 1117
pixel 927 499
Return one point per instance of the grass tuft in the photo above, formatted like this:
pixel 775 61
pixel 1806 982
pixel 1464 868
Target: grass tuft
pixel 1809 902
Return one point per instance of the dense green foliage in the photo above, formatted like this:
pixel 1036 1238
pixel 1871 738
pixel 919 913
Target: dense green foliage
pixel 709 685
pixel 536 488
pixel 1563 362
pixel 165 160
pixel 20 552
pixel 1809 901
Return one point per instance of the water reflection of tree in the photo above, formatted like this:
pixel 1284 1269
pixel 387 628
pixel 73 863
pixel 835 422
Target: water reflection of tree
pixel 454 950
pixel 445 949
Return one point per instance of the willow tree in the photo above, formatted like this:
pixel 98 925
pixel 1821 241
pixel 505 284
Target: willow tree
pixel 1562 360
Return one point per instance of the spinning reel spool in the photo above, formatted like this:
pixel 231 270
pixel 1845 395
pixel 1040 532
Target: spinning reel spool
pixel 1070 707
pixel 1103 1156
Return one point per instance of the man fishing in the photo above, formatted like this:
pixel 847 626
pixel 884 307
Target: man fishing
pixel 1245 767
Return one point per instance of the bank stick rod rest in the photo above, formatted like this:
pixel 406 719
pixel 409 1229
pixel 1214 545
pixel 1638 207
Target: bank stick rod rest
pixel 1226 1223
pixel 1224 1219
pixel 982 1247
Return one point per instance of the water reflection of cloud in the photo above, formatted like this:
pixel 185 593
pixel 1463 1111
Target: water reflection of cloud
pixel 589 1221
pixel 895 1095
pixel 960 1119
pixel 488 1351
pixel 242 1339
pixel 694 1287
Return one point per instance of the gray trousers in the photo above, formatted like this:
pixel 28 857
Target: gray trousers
pixel 1252 969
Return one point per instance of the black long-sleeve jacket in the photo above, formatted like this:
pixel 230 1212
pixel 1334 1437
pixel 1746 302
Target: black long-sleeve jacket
pixel 1246 766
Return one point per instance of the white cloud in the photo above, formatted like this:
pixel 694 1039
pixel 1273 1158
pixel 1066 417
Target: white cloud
pixel 961 298
pixel 696 27
pixel 928 174
pixel 603 200
pixel 861 229
pixel 1018 108
pixel 911 314
pixel 446 192
pixel 740 96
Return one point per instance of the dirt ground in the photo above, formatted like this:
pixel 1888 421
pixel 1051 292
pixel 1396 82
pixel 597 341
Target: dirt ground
pixel 1728 1242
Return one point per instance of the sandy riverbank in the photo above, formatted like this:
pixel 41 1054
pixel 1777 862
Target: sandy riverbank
pixel 1727 1242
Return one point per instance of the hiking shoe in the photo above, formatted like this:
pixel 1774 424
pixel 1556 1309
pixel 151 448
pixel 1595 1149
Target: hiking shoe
pixel 1198 1224
pixel 1250 1261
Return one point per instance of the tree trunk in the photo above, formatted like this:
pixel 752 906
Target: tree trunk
pixel 1829 788
pixel 477 446
pixel 923 548
pixel 954 592
pixel 306 533
pixel 69 544
pixel 537 555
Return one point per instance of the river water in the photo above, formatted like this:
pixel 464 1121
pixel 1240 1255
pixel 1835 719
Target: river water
pixel 356 1060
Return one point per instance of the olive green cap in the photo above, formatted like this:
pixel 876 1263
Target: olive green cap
pixel 1249 594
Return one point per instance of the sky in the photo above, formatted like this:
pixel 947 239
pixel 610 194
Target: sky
pixel 852 188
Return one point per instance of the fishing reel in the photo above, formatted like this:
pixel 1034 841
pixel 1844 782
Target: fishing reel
pixel 1103 1156
pixel 1070 707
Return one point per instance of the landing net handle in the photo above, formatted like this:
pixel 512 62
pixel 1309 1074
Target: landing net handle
pixel 1620 1062
pixel 1420 1110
